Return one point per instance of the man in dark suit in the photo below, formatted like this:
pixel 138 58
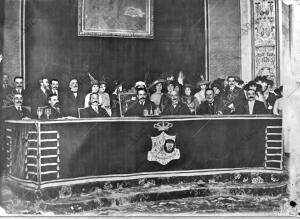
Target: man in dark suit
pixel 72 100
pixel 17 89
pixel 40 96
pixel 231 96
pixel 140 105
pixel 6 88
pixel 176 107
pixel 53 105
pixel 54 88
pixel 251 106
pixel 210 106
pixel 16 111
pixel 94 110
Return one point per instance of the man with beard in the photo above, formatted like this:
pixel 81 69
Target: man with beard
pixel 53 105
pixel 40 96
pixel 140 105
pixel 72 100
pixel 94 110
pixel 210 106
pixel 251 106
pixel 17 111
pixel 176 107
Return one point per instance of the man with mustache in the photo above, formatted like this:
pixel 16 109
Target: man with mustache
pixel 54 86
pixel 53 105
pixel 231 97
pixel 176 107
pixel 17 111
pixel 17 89
pixel 94 110
pixel 72 99
pixel 40 96
pixel 251 106
pixel 141 105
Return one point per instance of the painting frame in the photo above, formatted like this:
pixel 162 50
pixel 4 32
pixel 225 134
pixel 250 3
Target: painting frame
pixel 147 34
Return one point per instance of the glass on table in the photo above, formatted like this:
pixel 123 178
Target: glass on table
pixel 39 112
pixel 48 113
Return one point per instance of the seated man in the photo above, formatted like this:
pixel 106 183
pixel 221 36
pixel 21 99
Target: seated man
pixel 140 105
pixel 251 106
pixel 53 105
pixel 17 111
pixel 94 110
pixel 210 106
pixel 176 107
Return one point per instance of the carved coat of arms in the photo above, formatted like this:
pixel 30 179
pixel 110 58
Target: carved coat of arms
pixel 164 147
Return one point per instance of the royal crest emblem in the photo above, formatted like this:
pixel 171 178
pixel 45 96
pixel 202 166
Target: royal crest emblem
pixel 163 146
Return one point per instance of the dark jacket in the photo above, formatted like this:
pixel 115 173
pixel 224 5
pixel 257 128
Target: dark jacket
pixel 136 109
pixel 54 113
pixel 26 97
pixel 270 102
pixel 39 99
pixel 89 112
pixel 70 104
pixel 11 113
pixel 164 101
pixel 181 109
pixel 205 109
pixel 228 97
pixel 258 108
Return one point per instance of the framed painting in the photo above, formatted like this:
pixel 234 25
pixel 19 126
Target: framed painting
pixel 115 18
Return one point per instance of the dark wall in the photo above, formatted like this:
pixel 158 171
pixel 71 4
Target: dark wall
pixel 54 49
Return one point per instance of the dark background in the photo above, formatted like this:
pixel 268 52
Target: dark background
pixel 54 49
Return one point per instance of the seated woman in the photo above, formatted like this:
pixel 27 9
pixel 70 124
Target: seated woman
pixel 105 103
pixel 200 95
pixel 157 86
pixel 166 98
pixel 94 89
pixel 277 110
pixel 188 99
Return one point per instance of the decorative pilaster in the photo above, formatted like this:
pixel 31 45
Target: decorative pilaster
pixel 265 45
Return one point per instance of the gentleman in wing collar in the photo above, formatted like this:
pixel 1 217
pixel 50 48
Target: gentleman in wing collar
pixel 176 107
pixel 94 110
pixel 17 111
pixel 72 100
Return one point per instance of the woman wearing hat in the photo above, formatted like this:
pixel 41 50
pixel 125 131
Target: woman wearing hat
pixel 94 89
pixel 166 98
pixel 188 98
pixel 157 87
pixel 200 96
pixel 104 97
pixel 115 107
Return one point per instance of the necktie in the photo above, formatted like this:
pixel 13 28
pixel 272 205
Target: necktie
pixel 20 111
pixel 96 110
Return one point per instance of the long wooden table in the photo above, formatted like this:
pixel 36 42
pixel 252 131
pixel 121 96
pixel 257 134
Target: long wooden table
pixel 43 154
